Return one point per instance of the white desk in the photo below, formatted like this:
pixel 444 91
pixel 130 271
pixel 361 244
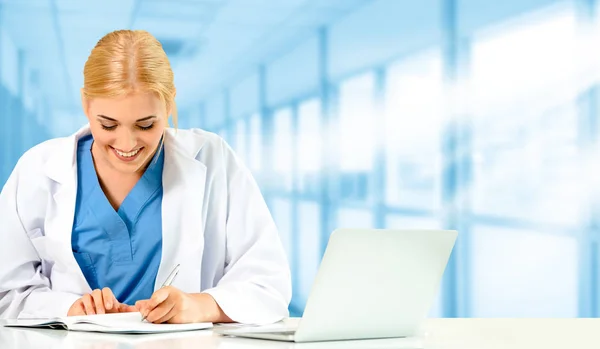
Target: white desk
pixel 439 334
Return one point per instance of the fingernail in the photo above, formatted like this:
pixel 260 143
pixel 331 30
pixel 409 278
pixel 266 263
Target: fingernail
pixel 109 305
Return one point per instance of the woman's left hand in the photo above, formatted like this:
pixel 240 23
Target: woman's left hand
pixel 171 305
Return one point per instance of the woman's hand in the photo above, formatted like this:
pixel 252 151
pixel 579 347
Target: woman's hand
pixel 171 305
pixel 99 302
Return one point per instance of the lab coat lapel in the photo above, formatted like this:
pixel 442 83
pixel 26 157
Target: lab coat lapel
pixel 62 169
pixel 183 199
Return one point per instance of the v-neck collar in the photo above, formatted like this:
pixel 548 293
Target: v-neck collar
pixel 144 190
pixel 119 224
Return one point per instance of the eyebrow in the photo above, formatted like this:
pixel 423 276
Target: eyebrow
pixel 138 120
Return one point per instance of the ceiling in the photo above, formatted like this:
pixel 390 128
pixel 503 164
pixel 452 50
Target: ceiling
pixel 209 42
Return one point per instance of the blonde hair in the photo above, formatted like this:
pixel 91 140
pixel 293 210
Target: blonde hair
pixel 126 61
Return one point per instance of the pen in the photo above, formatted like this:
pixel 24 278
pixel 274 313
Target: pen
pixel 169 280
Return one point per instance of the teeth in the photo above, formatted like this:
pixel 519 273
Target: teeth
pixel 127 155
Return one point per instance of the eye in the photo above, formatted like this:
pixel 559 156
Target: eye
pixel 108 128
pixel 146 127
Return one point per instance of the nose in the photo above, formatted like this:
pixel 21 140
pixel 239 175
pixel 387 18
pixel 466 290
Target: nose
pixel 126 141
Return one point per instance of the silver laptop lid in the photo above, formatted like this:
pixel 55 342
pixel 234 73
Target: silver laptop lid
pixel 375 283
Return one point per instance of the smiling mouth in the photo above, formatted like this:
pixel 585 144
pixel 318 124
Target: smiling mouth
pixel 127 156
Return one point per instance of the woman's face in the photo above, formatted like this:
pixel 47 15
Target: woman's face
pixel 126 130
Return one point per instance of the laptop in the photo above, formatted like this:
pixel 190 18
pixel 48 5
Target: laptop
pixel 371 284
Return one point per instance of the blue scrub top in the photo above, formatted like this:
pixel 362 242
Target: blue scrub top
pixel 118 249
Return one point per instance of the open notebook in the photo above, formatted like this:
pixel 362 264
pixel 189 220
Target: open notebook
pixel 111 323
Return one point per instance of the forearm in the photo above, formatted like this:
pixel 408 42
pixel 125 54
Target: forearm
pixel 209 310
pixel 35 302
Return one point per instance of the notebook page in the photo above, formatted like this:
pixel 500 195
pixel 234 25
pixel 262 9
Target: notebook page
pixel 142 327
pixel 49 322
pixel 116 319
pixel 127 323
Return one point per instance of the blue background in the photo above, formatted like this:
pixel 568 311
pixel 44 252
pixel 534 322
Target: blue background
pixel 480 116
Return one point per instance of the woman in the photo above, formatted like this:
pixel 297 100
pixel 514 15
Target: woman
pixel 95 222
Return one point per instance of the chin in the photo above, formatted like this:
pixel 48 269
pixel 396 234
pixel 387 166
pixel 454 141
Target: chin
pixel 126 167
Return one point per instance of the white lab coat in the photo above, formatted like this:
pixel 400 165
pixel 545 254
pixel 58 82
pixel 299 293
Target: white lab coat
pixel 215 224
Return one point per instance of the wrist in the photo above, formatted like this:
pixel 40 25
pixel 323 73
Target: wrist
pixel 208 309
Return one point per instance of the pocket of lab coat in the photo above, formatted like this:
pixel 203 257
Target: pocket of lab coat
pixel 87 267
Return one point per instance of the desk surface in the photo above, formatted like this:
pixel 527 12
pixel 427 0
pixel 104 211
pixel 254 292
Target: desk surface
pixel 438 333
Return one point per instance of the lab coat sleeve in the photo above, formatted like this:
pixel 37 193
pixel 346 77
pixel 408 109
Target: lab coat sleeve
pixel 25 291
pixel 256 286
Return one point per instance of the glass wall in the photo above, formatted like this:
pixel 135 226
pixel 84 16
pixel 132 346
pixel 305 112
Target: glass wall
pixel 378 114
